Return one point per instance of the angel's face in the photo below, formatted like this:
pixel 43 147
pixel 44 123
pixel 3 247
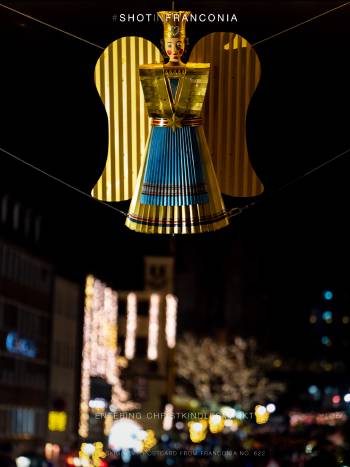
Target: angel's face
pixel 174 48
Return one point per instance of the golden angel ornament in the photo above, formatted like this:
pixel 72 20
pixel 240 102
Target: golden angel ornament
pixel 177 131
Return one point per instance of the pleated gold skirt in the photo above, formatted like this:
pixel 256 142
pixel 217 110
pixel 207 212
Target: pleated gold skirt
pixel 195 218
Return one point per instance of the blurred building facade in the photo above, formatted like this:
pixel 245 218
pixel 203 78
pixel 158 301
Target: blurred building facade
pixel 25 319
pixel 148 352
pixel 64 362
pixel 128 347
pixel 39 312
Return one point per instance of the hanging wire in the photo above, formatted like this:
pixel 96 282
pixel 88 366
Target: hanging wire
pixel 238 210
pixel 301 23
pixel 50 26
pixel 74 36
pixel 72 187
pixel 231 213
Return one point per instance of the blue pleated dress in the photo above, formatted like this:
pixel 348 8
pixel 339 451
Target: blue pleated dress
pixel 174 174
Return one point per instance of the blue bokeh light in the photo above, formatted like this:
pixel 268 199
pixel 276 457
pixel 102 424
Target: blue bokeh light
pixel 328 295
pixel 325 340
pixel 327 315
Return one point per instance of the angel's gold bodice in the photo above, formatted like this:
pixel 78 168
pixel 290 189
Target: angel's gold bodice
pixel 190 94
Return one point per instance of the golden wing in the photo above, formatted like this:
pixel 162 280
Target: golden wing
pixel 235 73
pixel 117 82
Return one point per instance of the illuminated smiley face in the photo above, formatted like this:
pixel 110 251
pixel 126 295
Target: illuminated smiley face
pixel 175 48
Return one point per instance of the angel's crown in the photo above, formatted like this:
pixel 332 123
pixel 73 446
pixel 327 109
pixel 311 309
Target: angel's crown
pixel 174 23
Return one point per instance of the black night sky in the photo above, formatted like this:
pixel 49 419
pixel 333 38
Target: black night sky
pixel 271 264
